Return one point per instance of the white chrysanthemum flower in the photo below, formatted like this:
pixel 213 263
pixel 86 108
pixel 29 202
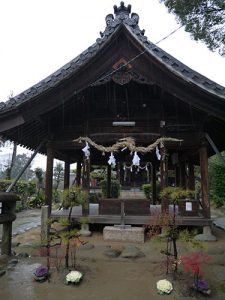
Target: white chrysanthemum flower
pixel 74 276
pixel 164 286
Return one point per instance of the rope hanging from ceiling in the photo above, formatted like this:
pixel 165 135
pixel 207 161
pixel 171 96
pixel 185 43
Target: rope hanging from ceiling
pixel 127 143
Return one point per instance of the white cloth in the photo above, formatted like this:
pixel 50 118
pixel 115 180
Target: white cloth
pixel 112 160
pixel 136 159
pixel 157 152
pixel 86 150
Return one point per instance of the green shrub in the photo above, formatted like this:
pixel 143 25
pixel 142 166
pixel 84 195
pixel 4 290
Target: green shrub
pixel 115 188
pixel 94 197
pixel 24 189
pixel 37 200
pixel 147 189
pixel 74 196
pixel 218 201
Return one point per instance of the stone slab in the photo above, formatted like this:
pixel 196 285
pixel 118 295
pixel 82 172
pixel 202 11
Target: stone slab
pixel 132 234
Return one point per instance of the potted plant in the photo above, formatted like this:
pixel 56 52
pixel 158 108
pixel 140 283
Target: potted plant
pixel 185 198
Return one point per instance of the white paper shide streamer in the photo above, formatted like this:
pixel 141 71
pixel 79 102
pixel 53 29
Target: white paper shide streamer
pixel 86 150
pixel 112 160
pixel 157 152
pixel 136 159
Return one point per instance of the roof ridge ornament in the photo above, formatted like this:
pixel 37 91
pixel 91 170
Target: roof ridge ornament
pixel 122 9
pixel 122 15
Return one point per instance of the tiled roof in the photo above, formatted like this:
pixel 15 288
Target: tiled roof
pixel 122 16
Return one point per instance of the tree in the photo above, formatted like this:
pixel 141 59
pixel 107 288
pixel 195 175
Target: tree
pixel 20 161
pixel 217 179
pixel 58 174
pixel 204 19
pixel 8 171
pixel 39 174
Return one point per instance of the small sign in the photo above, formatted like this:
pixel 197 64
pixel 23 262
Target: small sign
pixel 188 206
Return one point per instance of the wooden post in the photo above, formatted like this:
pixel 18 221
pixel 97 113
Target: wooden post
pixel 86 182
pixel 78 174
pixel 108 181
pixel 191 175
pixel 204 180
pixel 48 177
pixel 177 176
pixel 182 175
pixel 67 174
pixel 163 177
pixel 86 174
pixel 153 180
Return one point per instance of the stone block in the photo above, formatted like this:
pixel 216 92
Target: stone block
pixel 131 234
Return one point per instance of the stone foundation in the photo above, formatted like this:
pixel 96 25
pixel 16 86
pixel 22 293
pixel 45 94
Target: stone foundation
pixel 131 234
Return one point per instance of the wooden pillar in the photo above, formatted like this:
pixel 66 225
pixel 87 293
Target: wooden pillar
pixel 182 175
pixel 48 177
pixel 86 182
pixel 108 181
pixel 191 175
pixel 204 180
pixel 177 176
pixel 67 174
pixel 163 177
pixel 86 174
pixel 163 169
pixel 153 181
pixel 78 173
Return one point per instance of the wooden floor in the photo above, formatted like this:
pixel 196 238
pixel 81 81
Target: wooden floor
pixel 132 220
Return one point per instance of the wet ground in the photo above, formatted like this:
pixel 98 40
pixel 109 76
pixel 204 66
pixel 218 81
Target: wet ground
pixel 107 278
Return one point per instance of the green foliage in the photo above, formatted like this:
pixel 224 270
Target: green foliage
pixel 94 197
pixel 20 161
pixel 24 189
pixel 56 196
pixel 217 180
pixel 74 196
pixel 98 174
pixel 58 173
pixel 37 200
pixel 166 192
pixel 19 207
pixel 204 19
pixel 39 173
pixel 175 193
pixel 64 221
pixel 115 188
pixel 147 189
pixel 188 236
pixel 218 201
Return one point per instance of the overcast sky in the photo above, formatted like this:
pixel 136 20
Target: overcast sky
pixel 40 36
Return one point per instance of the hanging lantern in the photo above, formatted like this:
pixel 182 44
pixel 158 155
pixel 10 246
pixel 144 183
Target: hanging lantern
pixel 136 159
pixel 157 152
pixel 112 160
pixel 86 150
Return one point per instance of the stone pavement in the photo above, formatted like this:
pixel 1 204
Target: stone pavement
pixel 218 216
